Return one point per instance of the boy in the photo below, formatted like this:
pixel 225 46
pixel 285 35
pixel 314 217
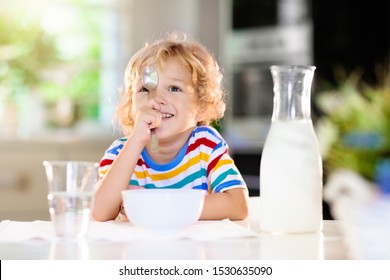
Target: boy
pixel 192 154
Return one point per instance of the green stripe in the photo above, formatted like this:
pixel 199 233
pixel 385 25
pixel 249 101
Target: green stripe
pixel 134 182
pixel 185 181
pixel 223 176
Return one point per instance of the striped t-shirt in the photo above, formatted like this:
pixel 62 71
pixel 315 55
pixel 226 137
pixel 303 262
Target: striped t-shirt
pixel 202 163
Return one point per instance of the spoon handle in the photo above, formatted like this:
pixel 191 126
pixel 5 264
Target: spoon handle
pixel 154 146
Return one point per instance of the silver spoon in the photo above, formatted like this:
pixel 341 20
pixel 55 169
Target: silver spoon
pixel 150 81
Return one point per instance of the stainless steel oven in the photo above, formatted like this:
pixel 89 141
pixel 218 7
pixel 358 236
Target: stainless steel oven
pixel 283 36
pixel 262 33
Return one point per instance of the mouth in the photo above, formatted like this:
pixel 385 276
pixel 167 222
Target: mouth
pixel 166 116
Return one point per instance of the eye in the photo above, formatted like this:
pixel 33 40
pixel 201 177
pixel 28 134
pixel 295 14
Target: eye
pixel 143 89
pixel 174 89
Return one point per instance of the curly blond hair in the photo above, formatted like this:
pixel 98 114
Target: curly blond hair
pixel 205 71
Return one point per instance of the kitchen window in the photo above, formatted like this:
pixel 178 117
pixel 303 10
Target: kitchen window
pixel 60 65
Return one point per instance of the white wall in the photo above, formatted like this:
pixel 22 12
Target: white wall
pixel 138 21
pixel 143 20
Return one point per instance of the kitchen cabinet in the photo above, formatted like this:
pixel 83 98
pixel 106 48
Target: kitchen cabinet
pixel 23 184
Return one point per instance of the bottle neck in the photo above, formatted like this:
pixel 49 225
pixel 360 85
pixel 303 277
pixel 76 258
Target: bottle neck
pixel 292 90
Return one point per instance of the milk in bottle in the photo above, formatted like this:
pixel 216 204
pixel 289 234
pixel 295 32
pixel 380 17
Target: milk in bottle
pixel 291 165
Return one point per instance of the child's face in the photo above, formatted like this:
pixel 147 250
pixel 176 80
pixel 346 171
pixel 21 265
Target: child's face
pixel 176 98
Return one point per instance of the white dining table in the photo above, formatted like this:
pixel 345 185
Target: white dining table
pixel 327 244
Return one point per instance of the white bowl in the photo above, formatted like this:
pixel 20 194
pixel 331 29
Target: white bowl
pixel 163 209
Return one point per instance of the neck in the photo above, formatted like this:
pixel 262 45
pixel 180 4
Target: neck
pixel 170 147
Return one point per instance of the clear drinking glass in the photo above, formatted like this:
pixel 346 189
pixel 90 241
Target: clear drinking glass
pixel 71 185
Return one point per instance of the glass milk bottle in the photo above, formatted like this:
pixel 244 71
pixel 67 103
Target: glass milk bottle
pixel 291 165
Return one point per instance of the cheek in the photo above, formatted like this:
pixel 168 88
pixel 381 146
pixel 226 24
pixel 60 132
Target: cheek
pixel 139 101
pixel 193 113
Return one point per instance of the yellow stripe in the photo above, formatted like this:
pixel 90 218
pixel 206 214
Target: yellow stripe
pixel 223 162
pixel 175 172
pixel 103 172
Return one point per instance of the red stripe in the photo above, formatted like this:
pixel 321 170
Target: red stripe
pixel 140 162
pixel 201 141
pixel 105 162
pixel 213 164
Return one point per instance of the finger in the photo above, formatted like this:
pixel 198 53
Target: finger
pixel 155 121
pixel 153 105
pixel 150 117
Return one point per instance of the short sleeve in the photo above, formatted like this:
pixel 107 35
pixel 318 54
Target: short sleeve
pixel 222 172
pixel 109 156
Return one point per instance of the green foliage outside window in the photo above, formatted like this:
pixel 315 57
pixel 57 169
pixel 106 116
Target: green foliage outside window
pixel 48 65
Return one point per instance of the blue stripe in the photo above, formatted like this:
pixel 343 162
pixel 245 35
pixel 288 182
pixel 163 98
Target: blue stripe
pixel 201 187
pixel 209 130
pixel 115 150
pixel 164 167
pixel 229 184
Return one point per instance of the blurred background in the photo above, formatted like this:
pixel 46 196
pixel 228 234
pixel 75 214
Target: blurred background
pixel 62 64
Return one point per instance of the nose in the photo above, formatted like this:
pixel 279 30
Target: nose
pixel 157 95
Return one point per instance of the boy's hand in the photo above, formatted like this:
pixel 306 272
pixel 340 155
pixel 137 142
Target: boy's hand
pixel 146 119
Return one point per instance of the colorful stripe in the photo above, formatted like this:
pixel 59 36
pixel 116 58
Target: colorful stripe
pixel 203 163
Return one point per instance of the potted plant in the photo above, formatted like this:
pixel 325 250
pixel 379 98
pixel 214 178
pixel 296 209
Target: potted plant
pixel 354 136
pixel 354 132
